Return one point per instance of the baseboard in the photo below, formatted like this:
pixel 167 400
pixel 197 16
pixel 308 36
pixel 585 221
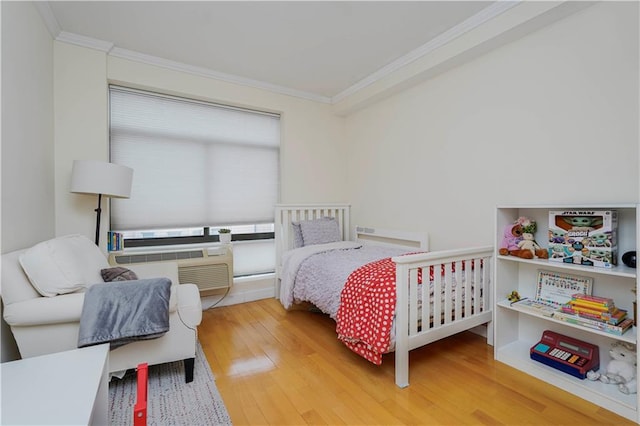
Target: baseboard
pixel 245 289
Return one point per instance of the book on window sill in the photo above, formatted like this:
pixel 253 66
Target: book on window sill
pixel 535 307
pixel 617 330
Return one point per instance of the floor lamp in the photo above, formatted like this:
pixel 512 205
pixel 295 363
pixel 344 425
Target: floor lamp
pixel 101 178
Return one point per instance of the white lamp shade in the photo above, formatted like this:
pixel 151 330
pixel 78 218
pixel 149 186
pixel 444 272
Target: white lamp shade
pixel 101 177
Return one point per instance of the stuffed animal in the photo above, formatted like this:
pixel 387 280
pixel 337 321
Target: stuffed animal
pixel 510 239
pixel 528 243
pixel 514 296
pixel 621 370
pixel 515 244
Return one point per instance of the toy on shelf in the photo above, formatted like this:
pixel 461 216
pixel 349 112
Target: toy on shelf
pixel 583 237
pixel 566 354
pixel 518 240
pixel 621 370
pixel 514 296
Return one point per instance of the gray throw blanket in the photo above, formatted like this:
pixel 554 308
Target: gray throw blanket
pixel 121 312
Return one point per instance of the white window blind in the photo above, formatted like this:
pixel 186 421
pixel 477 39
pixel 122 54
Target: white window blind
pixel 195 163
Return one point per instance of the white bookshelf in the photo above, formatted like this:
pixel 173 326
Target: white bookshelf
pixel 517 330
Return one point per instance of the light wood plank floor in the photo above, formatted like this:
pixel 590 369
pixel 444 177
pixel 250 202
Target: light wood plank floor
pixel 277 367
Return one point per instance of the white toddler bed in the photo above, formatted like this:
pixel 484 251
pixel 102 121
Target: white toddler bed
pixel 415 323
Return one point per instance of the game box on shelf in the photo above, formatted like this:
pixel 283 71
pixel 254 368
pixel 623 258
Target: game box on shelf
pixel 584 237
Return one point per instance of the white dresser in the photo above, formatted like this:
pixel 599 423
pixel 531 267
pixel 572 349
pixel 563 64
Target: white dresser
pixel 64 388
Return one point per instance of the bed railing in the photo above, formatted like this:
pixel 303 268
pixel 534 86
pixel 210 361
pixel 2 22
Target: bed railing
pixel 461 284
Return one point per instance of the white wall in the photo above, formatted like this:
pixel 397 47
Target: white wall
pixel 27 136
pixel 550 118
pixel 27 127
pixel 81 133
pixel 313 154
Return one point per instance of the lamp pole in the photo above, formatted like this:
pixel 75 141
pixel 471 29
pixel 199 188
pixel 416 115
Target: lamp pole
pixel 98 214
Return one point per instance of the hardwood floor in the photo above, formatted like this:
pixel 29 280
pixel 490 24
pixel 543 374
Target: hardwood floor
pixel 277 367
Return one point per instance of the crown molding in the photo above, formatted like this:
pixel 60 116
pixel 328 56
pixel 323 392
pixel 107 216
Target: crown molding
pixel 451 34
pixel 84 41
pixel 48 17
pixel 480 18
pixel 56 32
pixel 206 72
pixel 118 52
pixel 515 22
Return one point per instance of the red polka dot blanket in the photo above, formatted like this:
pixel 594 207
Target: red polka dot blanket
pixel 366 313
pixel 367 308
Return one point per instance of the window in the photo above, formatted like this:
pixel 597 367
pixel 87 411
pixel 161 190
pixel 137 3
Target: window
pixel 196 165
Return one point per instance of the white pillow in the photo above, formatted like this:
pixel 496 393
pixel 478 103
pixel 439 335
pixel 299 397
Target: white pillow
pixel 63 265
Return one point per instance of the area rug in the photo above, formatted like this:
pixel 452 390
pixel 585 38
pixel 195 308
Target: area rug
pixel 170 400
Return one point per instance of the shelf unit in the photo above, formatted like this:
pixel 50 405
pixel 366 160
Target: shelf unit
pixel 516 330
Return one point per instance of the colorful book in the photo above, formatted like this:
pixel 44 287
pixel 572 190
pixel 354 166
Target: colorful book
pixel 614 319
pixel 593 299
pixel 114 241
pixel 591 306
pixel 580 308
pixel 617 330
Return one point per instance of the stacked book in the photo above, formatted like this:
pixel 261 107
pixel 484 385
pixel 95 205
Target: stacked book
pixel 115 241
pixel 595 312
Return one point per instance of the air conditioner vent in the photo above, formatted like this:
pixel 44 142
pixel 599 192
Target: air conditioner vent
pixel 123 259
pixel 206 277
pixel 209 272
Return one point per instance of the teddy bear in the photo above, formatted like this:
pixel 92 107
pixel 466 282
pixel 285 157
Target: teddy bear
pixel 514 242
pixel 621 370
pixel 528 243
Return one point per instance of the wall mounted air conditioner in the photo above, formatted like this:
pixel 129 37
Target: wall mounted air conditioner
pixel 211 269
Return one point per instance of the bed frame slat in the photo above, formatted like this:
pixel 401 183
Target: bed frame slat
pixel 460 290
pixel 413 302
pixel 426 306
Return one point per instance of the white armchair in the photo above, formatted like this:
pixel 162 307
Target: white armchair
pixel 46 324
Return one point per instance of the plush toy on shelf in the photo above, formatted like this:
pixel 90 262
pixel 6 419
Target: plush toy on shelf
pixel 514 296
pixel 529 243
pixel 621 370
pixel 518 240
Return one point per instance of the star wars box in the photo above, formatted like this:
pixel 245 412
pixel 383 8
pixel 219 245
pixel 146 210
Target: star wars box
pixel 584 237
